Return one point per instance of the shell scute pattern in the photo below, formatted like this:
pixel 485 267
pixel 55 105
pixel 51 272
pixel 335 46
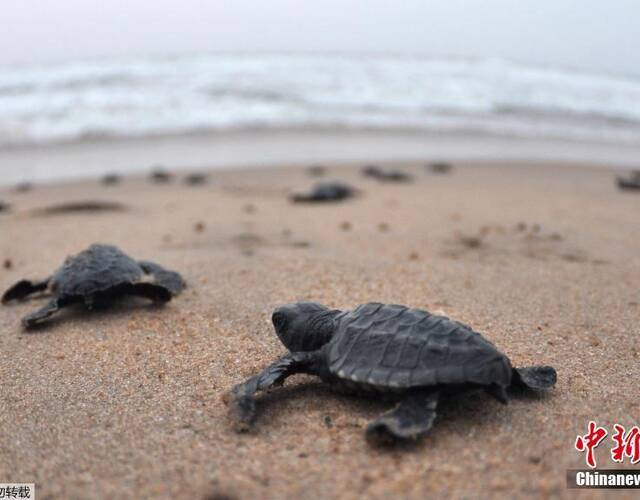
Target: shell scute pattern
pixel 394 346
pixel 85 274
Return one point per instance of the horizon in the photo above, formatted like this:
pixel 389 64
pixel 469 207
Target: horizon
pixel 589 35
pixel 97 58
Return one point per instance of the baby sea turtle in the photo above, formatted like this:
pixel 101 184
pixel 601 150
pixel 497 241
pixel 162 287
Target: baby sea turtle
pixel 317 170
pixel 160 175
pixel 96 277
pixel 325 191
pixel 387 350
pixel 440 167
pixel 23 187
pixel 110 179
pixel 632 181
pixel 195 179
pixel 385 175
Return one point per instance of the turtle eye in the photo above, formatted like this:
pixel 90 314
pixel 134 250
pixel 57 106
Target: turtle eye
pixel 279 321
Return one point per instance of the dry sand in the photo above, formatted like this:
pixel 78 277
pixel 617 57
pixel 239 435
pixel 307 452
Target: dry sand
pixel 127 402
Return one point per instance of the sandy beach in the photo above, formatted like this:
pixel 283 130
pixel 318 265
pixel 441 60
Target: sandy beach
pixel 541 258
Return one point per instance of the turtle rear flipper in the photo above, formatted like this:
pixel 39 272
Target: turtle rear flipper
pixel 412 418
pixel 24 288
pixel 536 378
pixel 170 280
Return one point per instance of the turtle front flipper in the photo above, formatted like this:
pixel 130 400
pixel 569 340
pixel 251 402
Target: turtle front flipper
pixel 171 280
pixel 412 418
pixel 536 378
pixel 24 288
pixel 241 399
pixel 32 319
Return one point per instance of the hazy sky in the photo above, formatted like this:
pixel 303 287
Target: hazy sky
pixel 591 34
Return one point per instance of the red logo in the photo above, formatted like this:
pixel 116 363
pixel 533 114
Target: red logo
pixel 627 444
pixel 590 441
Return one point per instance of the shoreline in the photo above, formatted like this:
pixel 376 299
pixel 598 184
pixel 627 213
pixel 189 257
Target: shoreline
pixel 286 147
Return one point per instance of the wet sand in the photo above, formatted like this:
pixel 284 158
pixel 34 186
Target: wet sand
pixel 92 157
pixel 541 259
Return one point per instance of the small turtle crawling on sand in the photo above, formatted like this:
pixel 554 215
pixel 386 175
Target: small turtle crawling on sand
pixel 385 175
pixel 387 350
pixel 110 179
pixel 632 181
pixel 160 175
pixel 23 187
pixel 195 179
pixel 325 191
pixel 440 167
pixel 96 277
pixel 317 170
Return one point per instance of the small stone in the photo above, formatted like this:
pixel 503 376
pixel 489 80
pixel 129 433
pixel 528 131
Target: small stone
pixel 199 227
pixel 300 244
pixel 345 226
pixel 317 170
pixel 471 241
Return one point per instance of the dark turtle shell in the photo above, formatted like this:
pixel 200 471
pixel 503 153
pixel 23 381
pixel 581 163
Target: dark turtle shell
pixel 325 191
pixel 96 269
pixel 96 277
pixel 396 347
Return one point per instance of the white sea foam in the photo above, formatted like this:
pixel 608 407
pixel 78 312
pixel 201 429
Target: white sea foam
pixel 166 95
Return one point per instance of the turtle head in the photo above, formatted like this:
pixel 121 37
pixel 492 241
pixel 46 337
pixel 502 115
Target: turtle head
pixel 304 326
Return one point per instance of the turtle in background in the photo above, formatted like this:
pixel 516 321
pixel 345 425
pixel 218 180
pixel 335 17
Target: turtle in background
pixel 381 350
pixel 23 187
pixel 440 167
pixel 195 179
pixel 110 179
pixel 159 175
pixel 631 181
pixel 385 175
pixel 317 170
pixel 97 277
pixel 324 192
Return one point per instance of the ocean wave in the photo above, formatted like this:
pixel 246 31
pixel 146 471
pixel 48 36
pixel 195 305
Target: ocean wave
pixel 559 114
pixel 146 96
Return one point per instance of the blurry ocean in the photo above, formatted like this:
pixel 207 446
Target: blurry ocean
pixel 180 94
